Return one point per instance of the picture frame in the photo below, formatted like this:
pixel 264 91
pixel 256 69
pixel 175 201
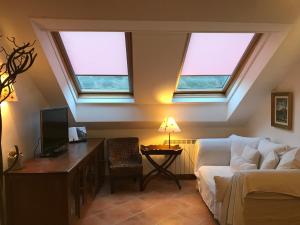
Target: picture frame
pixel 282 110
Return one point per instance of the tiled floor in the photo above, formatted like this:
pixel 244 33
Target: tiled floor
pixel 160 204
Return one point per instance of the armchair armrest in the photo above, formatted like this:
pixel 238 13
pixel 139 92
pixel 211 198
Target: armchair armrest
pixel 137 157
pixel 213 152
pixel 285 182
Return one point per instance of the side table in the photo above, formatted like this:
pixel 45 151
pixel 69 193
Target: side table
pixel 161 169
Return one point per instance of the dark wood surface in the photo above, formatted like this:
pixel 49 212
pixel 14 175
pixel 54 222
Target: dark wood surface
pixel 52 191
pixel 171 153
pixel 63 163
pixel 161 150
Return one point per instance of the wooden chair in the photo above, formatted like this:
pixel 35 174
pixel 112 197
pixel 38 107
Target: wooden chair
pixel 124 160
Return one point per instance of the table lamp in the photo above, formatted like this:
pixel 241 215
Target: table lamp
pixel 169 125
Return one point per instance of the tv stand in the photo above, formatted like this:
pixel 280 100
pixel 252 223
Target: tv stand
pixel 53 154
pixel 53 191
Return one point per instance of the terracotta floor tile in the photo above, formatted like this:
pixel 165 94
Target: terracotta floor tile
pixel 136 220
pixel 115 215
pixel 93 220
pixel 137 205
pixel 172 220
pixel 160 204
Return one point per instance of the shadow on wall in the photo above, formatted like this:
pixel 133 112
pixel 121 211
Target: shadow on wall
pixel 21 120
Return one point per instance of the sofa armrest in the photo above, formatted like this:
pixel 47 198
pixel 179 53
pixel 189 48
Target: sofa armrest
pixel 285 182
pixel 213 152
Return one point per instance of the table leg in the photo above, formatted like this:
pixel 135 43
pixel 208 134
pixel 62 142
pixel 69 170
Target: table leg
pixel 161 169
pixel 155 168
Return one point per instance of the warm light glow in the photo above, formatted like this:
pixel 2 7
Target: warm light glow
pixel 4 93
pixel 169 125
pixel 3 105
pixel 164 97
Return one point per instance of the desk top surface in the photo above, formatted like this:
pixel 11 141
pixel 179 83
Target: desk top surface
pixel 63 163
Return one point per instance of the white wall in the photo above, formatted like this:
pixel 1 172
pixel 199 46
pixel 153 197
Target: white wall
pixel 21 119
pixel 260 123
pixel 152 136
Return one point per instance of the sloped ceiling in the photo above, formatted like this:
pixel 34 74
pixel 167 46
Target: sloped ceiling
pixel 161 53
pixel 157 56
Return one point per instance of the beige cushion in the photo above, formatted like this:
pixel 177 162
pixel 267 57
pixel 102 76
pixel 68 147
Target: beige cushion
pixel 290 160
pixel 252 155
pixel 222 184
pixel 239 143
pixel 248 160
pixel 266 146
pixel 270 161
pixel 213 152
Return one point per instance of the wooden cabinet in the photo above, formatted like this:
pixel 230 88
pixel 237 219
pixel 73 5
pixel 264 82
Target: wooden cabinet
pixel 52 191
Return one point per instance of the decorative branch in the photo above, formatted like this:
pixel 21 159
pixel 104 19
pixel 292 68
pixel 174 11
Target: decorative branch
pixel 18 61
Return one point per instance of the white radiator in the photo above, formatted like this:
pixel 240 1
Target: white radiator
pixel 184 164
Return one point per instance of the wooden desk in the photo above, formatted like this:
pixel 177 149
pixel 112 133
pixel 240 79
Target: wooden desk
pixel 170 151
pixel 51 191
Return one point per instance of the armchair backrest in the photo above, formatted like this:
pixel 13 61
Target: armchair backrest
pixel 123 150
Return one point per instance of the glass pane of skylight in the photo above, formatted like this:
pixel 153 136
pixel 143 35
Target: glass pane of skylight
pixel 199 83
pixel 96 53
pixel 215 53
pixel 104 83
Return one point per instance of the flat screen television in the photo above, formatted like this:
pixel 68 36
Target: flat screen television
pixel 54 131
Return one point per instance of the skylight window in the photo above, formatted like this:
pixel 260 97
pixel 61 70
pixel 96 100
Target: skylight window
pixel 212 60
pixel 98 62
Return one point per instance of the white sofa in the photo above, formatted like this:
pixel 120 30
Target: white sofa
pixel 245 197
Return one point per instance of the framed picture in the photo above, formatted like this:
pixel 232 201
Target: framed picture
pixel 282 110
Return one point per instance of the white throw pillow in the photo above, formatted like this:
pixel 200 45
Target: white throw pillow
pixel 248 160
pixel 239 143
pixel 266 146
pixel 270 161
pixel 290 160
pixel 244 166
pixel 252 155
pixel 247 166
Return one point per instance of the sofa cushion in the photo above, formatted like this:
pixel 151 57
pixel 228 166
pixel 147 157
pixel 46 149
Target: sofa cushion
pixel 209 189
pixel 270 161
pixel 290 160
pixel 239 143
pixel 252 155
pixel 248 160
pixel 266 146
pixel 222 184
pixel 242 164
pixel 213 152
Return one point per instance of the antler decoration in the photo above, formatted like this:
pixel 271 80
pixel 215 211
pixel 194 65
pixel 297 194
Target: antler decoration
pixel 18 61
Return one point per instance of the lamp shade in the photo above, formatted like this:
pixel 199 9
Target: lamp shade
pixel 169 125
